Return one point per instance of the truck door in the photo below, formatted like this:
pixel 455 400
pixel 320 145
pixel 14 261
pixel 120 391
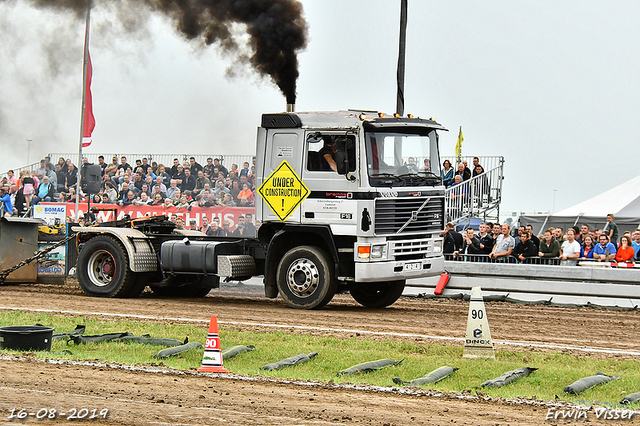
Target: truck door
pixel 332 198
pixel 282 145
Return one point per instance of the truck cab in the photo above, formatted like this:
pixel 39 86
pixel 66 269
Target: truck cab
pixel 373 212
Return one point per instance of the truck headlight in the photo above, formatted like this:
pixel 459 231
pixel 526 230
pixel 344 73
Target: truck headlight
pixel 437 247
pixel 379 251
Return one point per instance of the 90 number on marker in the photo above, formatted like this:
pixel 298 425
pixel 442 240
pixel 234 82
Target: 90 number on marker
pixel 477 314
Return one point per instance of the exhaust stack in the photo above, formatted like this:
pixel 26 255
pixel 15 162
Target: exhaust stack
pixel 291 107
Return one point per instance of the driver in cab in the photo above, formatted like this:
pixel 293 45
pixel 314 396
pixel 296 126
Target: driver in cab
pixel 328 154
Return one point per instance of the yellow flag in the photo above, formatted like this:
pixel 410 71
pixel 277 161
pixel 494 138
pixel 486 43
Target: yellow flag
pixel 459 146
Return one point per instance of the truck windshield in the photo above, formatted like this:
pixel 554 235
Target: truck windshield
pixel 399 158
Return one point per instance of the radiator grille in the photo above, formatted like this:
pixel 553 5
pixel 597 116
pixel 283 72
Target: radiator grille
pixel 393 213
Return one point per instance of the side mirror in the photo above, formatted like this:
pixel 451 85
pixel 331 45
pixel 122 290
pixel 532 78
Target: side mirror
pixel 314 137
pixel 342 157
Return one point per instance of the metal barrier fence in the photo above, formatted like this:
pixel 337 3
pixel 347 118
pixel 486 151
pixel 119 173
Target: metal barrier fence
pixel 475 197
pixel 166 159
pixel 535 260
pixel 484 258
pixel 487 162
pixel 17 170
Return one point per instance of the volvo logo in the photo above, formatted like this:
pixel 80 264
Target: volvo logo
pixel 388 194
pixel 414 215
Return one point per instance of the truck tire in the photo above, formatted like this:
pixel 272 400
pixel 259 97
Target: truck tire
pixel 103 269
pixel 306 278
pixel 378 295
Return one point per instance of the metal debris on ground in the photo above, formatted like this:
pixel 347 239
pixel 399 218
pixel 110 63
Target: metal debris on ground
pixel 631 398
pixel 78 331
pixel 589 382
pixel 236 350
pixel 508 377
pixel 166 353
pixel 431 377
pixel 97 338
pixel 147 339
pixel 369 366
pixel 289 362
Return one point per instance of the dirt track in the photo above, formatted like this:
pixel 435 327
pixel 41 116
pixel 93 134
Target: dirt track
pixel 155 398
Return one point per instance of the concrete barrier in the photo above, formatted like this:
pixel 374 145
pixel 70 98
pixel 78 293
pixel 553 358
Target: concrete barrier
pixel 563 285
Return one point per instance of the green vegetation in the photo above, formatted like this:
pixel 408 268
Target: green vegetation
pixel 556 370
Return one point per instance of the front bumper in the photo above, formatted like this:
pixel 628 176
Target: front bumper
pixel 396 270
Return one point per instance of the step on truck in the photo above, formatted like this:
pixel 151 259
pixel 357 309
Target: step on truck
pixel 347 201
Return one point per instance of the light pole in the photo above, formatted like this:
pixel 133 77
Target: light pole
pixel 554 201
pixel 28 150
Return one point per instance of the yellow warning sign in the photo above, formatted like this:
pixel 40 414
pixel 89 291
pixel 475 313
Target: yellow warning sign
pixel 283 191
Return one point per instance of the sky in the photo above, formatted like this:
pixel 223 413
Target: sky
pixel 551 86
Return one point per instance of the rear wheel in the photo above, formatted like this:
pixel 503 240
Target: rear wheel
pixel 306 278
pixel 377 295
pixel 103 269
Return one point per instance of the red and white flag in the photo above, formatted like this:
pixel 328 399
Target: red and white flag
pixel 89 121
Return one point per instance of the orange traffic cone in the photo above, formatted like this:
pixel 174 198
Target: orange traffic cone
pixel 212 358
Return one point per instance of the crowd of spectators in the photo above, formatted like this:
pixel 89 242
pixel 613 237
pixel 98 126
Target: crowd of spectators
pixel 499 243
pixel 182 185
pixel 451 177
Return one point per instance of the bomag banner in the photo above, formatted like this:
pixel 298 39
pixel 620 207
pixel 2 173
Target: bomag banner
pixel 54 215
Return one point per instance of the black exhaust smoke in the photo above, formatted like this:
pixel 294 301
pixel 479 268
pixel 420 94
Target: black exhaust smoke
pixel 277 29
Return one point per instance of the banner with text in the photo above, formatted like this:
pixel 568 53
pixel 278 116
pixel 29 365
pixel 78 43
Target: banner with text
pixel 194 213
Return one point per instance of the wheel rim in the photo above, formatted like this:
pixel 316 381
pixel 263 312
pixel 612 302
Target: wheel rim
pixel 101 268
pixel 303 278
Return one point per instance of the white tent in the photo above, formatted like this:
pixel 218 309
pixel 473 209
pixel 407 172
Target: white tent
pixel 623 201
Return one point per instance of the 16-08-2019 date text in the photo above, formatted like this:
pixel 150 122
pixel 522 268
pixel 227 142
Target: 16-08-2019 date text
pixel 52 413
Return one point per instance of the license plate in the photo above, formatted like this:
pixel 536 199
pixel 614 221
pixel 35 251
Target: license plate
pixel 413 266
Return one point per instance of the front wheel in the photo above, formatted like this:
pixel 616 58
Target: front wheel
pixel 306 278
pixel 103 269
pixel 377 295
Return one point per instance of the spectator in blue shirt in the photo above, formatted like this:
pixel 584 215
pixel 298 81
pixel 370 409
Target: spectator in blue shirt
pixel 636 240
pixel 5 202
pixel 601 249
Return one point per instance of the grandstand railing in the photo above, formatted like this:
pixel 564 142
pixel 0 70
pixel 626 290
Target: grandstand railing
pixel 478 197
pixel 484 258
pixel 166 159
pixel 535 260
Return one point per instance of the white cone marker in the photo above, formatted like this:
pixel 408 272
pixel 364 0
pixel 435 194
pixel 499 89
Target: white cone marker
pixel 477 343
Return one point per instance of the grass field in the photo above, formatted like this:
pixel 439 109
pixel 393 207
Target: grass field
pixel 556 370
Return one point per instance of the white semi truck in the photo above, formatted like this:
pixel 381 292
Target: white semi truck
pixel 347 201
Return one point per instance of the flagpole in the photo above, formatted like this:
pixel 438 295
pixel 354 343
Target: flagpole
pixel 84 89
pixel 401 57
